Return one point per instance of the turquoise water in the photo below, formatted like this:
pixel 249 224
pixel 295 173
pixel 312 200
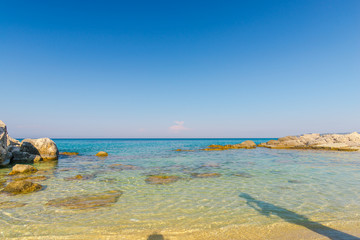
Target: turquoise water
pixel 256 187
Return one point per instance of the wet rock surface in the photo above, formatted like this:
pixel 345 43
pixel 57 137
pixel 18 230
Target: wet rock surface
pixel 87 201
pixel 22 187
pixel 161 179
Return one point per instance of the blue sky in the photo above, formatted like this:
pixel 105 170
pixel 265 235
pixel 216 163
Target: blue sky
pixel 179 68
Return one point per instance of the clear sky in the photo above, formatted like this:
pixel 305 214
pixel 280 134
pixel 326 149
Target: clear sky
pixel 179 68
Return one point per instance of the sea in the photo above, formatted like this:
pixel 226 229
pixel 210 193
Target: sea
pixel 257 193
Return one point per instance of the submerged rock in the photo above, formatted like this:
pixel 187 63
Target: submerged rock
pixel 211 165
pixel 22 169
pixel 244 145
pixel 22 187
pixel 44 147
pixel 294 181
pixel 243 174
pixel 81 177
pixel 69 153
pixel 205 175
pixel 161 179
pixel 124 166
pixel 33 178
pixel 183 150
pixel 102 154
pixel 87 201
pixel 11 204
pixel 337 142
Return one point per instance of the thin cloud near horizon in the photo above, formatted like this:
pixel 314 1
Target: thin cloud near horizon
pixel 179 126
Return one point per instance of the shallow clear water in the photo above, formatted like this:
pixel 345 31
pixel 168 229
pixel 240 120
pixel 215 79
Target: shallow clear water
pixel 256 187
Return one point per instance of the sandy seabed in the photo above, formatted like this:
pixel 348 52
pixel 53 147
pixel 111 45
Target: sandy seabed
pixel 278 231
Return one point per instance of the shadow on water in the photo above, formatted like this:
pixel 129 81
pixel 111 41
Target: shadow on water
pixel 267 209
pixel 155 237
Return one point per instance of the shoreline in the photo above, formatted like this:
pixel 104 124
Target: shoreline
pixel 276 231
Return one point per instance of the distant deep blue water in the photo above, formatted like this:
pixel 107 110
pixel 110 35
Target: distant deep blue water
pixel 319 185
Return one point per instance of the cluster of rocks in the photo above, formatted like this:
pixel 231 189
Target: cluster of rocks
pixel 26 151
pixel 334 142
pixel 337 142
pixel 23 184
pixel 244 145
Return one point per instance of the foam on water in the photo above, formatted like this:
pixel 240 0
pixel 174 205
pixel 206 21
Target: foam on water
pixel 257 187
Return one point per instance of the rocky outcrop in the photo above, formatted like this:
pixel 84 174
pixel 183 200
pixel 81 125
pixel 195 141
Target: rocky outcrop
pixel 28 151
pixel 337 142
pixel 244 145
pixel 5 155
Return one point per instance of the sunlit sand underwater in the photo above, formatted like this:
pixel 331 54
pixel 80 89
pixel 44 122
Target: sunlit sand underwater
pixel 259 193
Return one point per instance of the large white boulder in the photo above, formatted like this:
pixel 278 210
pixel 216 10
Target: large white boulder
pixel 5 155
pixel 44 147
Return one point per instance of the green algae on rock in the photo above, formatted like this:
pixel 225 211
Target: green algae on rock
pixel 87 201
pixel 23 169
pixel 22 187
pixel 161 179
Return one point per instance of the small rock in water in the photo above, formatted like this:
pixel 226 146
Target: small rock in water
pixel 22 187
pixel 11 204
pixel 81 177
pixel 22 168
pixel 183 150
pixel 294 181
pixel 87 201
pixel 102 154
pixel 205 175
pixel 211 164
pixel 161 179
pixel 243 174
pixel 124 167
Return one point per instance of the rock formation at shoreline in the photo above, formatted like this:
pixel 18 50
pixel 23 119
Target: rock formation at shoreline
pixel 244 145
pixel 28 151
pixel 336 142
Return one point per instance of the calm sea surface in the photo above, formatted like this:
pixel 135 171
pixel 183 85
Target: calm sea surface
pixel 256 187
